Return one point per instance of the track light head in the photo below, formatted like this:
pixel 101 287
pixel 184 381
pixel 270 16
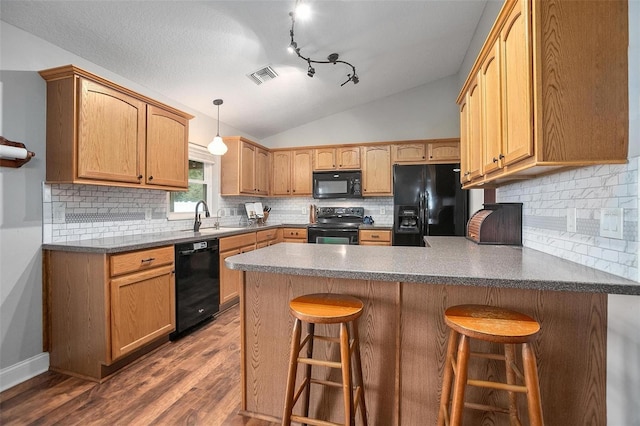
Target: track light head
pixel 311 71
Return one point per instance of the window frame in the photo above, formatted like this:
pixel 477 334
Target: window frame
pixel 202 155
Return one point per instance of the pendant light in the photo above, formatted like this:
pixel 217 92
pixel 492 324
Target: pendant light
pixel 217 145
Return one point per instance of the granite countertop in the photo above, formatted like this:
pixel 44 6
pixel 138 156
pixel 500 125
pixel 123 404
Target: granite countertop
pixel 142 241
pixel 448 260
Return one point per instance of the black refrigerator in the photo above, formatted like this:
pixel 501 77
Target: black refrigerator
pixel 427 200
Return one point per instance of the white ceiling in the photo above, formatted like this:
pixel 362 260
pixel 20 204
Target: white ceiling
pixel 197 51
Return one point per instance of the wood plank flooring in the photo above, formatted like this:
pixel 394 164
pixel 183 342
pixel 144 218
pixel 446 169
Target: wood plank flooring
pixel 193 381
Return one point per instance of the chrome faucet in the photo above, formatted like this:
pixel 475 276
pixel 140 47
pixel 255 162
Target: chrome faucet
pixel 198 222
pixel 217 223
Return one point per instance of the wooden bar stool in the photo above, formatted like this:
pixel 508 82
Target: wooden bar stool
pixel 496 325
pixel 325 308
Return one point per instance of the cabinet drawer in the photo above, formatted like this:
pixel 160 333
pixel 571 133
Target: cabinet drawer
pixel 266 235
pixel 374 235
pixel 140 260
pixel 229 243
pixel 299 233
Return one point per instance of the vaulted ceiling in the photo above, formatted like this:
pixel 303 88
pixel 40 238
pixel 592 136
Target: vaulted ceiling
pixel 197 51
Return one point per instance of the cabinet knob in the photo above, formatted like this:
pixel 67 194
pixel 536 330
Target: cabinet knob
pixel 139 177
pixel 150 177
pixel 495 160
pixel 501 156
pixel 423 157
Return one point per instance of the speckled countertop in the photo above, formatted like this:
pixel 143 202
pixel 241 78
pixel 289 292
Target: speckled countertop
pixel 448 260
pixel 142 241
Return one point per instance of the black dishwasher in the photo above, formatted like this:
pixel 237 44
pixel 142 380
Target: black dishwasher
pixel 197 284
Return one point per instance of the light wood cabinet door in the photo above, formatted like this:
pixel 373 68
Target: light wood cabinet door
pixel 111 134
pixel 142 309
pixel 492 110
pixel 262 171
pixel 281 173
pixel 301 172
pixel 376 170
pixel 464 139
pixel 516 85
pixel 294 235
pixel 474 136
pixel 324 159
pixel 167 148
pixel 408 153
pixel 229 278
pixel 247 168
pixel 348 158
pixel 371 237
pixel 443 152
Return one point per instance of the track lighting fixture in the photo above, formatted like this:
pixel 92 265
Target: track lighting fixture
pixel 217 145
pixel 333 58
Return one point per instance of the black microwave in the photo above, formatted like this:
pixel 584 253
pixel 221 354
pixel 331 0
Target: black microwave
pixel 337 184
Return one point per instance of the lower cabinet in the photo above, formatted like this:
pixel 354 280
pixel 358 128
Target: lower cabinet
pixel 268 237
pixel 102 311
pixel 374 237
pixel 231 279
pixel 294 235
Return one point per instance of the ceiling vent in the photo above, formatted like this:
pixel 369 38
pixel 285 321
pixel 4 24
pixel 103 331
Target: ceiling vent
pixel 263 75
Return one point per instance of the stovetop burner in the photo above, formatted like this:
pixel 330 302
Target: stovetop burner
pixel 338 217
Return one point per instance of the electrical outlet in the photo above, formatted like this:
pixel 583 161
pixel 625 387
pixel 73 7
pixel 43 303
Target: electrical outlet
pixel 148 213
pixel 571 219
pixel 382 210
pixel 303 210
pixel 611 221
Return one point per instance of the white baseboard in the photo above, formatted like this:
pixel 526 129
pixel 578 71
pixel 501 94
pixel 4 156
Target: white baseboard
pixel 23 371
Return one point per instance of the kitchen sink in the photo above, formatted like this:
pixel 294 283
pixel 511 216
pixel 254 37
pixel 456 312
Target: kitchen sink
pixel 213 231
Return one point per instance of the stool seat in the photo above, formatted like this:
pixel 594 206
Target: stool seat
pixel 491 323
pixel 326 308
pixel 496 325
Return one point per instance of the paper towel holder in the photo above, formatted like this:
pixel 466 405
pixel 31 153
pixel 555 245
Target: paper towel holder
pixel 16 162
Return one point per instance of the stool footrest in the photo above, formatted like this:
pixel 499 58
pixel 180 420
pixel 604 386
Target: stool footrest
pixel 483 407
pixel 310 421
pixel 487 355
pixel 326 383
pixel 497 385
pixel 322 362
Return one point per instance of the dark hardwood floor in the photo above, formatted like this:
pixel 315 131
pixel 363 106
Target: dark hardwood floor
pixel 193 381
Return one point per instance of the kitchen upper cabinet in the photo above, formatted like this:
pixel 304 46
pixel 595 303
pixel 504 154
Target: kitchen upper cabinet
pixel 423 152
pixel 281 182
pixel 102 311
pixel 103 134
pixel 244 168
pixel 292 172
pixel 409 153
pixel 535 101
pixel 167 148
pixel 376 170
pixel 340 158
pixel 301 171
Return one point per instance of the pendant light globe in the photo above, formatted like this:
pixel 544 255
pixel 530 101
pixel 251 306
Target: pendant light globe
pixel 217 145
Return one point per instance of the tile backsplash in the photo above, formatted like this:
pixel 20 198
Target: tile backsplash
pixel 546 201
pixel 79 212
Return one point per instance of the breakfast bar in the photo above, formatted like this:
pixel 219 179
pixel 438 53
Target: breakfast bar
pixel 403 337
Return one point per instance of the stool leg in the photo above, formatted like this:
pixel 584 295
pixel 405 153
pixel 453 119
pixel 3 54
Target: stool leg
pixel 291 378
pixel 533 388
pixel 345 361
pixel 447 378
pixel 358 369
pixel 457 405
pixel 307 373
pixel 509 360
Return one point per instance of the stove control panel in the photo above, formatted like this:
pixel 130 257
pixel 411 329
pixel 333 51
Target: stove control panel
pixel 340 212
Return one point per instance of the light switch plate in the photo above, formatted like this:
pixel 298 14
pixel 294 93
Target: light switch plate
pixel 611 220
pixel 571 219
pixel 382 210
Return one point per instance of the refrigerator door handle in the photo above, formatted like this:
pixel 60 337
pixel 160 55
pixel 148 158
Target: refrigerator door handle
pixel 426 213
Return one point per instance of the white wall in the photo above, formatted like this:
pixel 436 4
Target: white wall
pixel 425 112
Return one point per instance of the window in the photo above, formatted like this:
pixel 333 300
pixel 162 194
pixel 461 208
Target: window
pixel 181 205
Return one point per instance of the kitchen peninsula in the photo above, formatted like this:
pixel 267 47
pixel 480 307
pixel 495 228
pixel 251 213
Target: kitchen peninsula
pixel 403 336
